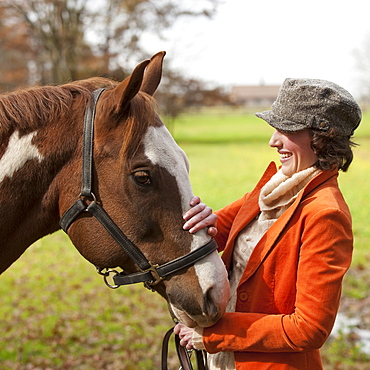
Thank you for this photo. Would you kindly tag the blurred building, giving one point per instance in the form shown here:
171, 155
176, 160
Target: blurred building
254, 95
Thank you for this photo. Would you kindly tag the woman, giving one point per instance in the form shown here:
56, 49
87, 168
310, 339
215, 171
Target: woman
288, 243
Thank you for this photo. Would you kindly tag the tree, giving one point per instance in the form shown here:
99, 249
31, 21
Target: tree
13, 49
178, 92
55, 35
54, 41
72, 39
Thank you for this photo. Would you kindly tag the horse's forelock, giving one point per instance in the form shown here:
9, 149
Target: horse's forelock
142, 114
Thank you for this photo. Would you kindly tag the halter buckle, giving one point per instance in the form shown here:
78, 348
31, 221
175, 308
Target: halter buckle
154, 272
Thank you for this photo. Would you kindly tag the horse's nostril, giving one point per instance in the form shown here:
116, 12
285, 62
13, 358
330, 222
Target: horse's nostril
210, 307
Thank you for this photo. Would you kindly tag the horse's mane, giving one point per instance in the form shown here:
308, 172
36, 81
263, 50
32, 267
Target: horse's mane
27, 109
30, 107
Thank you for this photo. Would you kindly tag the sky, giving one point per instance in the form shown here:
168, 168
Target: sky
251, 42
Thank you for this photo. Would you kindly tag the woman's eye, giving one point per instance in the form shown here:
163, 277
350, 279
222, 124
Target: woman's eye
142, 178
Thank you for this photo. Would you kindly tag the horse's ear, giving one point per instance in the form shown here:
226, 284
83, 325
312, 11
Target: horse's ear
153, 73
128, 88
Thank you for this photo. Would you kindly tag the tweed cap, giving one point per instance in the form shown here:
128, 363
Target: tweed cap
313, 104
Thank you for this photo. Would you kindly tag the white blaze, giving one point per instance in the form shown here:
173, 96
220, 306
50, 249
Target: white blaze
161, 149
19, 151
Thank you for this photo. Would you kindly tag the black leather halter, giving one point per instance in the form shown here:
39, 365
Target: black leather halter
150, 274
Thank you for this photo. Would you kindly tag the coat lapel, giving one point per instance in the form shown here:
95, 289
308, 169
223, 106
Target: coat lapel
250, 210
268, 241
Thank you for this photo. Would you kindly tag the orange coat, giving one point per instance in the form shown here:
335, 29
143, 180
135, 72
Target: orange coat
288, 296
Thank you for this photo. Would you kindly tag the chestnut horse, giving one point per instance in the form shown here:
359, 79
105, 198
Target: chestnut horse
137, 180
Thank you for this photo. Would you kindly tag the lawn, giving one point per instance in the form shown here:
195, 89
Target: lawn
228, 154
56, 312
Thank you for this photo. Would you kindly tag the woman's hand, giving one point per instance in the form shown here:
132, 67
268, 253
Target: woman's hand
185, 334
199, 217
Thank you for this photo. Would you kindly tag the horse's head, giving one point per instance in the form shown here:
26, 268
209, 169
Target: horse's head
141, 180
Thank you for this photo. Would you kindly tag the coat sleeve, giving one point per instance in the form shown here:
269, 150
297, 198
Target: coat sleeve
324, 257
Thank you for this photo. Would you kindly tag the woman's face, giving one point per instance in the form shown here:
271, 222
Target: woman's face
295, 150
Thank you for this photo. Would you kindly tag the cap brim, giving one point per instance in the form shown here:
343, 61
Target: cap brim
280, 123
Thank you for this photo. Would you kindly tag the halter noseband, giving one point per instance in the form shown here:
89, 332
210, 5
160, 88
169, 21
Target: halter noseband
149, 274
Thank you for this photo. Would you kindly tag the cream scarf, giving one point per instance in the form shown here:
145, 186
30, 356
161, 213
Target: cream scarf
275, 198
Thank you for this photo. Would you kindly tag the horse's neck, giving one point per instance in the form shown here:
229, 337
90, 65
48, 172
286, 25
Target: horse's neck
29, 166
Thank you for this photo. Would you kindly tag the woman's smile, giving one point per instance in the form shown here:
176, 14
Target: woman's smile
284, 155
294, 149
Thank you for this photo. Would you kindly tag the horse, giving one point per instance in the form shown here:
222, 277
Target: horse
94, 158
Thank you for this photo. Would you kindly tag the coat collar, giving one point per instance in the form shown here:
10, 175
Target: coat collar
250, 210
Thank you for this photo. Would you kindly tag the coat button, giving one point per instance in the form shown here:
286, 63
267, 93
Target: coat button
243, 296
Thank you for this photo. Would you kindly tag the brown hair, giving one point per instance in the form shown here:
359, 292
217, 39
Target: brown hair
332, 150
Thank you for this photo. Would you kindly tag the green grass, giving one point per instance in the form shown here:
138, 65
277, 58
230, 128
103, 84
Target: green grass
223, 170
56, 312
227, 154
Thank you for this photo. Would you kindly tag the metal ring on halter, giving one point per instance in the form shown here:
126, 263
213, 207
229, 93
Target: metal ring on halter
106, 275
91, 196
106, 280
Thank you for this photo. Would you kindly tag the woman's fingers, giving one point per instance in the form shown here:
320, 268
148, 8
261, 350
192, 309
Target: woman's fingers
199, 217
185, 334
195, 210
201, 220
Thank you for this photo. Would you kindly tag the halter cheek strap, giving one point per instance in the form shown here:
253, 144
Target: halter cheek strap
150, 274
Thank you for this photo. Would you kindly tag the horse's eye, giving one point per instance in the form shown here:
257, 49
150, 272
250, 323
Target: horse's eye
142, 178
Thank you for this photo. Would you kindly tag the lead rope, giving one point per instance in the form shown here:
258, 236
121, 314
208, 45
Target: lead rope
183, 354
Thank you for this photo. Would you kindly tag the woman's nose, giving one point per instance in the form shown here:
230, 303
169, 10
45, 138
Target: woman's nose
275, 139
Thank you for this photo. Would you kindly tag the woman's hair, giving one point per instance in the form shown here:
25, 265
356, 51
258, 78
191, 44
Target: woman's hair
332, 150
